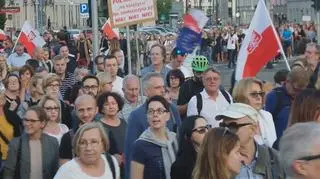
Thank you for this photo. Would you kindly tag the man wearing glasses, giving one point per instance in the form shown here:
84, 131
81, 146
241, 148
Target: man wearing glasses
259, 161
300, 152
279, 100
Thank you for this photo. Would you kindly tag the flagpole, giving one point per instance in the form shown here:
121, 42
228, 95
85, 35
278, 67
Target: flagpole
278, 40
15, 43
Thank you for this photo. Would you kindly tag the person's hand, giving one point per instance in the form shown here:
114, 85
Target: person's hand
119, 158
13, 105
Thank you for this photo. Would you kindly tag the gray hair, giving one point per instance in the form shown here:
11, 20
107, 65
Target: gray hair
78, 71
148, 76
312, 44
128, 78
298, 141
86, 127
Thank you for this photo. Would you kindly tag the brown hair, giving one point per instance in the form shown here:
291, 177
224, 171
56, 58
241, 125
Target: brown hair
163, 50
26, 68
51, 77
46, 98
299, 77
239, 93
306, 107
114, 44
211, 159
41, 114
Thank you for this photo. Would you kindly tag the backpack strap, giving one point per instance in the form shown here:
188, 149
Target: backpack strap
199, 103
111, 164
225, 95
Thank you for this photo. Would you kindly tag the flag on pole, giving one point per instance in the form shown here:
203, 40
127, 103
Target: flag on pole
3, 35
30, 38
260, 45
109, 31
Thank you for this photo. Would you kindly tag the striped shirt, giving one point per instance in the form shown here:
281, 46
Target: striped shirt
66, 85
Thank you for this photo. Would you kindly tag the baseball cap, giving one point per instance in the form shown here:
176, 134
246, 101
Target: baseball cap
238, 110
176, 51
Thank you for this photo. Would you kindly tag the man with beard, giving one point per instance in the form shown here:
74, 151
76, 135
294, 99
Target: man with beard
90, 85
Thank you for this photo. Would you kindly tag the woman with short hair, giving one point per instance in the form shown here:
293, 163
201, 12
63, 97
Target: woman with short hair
174, 79
34, 155
250, 91
155, 150
89, 145
219, 156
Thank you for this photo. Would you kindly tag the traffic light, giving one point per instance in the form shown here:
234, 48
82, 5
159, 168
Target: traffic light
316, 5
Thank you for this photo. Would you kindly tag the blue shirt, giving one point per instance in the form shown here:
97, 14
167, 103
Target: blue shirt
287, 35
137, 124
16, 60
150, 156
150, 68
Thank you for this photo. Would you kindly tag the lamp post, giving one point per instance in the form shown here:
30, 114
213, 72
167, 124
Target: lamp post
238, 17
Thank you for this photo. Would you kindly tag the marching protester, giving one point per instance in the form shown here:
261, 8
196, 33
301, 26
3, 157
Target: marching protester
174, 79
193, 130
34, 154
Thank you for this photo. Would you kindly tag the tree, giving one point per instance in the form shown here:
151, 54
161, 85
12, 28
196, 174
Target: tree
316, 5
163, 8
2, 16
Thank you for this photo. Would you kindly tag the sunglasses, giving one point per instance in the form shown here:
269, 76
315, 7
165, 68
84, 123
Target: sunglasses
257, 94
309, 158
233, 125
202, 129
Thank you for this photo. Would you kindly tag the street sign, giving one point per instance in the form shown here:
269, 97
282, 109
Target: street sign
129, 12
84, 10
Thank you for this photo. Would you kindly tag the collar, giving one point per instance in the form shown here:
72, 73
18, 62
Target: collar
206, 95
162, 69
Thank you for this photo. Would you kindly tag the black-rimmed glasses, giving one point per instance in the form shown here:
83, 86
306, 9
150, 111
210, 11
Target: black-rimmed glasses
202, 129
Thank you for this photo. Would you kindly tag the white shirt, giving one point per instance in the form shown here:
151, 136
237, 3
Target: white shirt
267, 129
232, 40
186, 72
210, 107
63, 129
18, 61
72, 170
117, 86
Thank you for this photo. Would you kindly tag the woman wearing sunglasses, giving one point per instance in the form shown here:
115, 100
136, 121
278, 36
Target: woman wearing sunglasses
219, 156
34, 154
155, 150
250, 91
193, 130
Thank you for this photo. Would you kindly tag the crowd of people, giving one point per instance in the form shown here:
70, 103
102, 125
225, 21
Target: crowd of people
65, 116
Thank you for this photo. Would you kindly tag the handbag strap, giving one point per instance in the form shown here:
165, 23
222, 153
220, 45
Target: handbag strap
4, 138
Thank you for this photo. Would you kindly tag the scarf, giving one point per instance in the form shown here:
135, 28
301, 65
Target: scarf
169, 148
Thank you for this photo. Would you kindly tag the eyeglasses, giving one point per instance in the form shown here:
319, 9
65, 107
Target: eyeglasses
202, 129
309, 158
54, 86
51, 108
30, 120
257, 94
158, 111
233, 125
93, 143
225, 131
90, 87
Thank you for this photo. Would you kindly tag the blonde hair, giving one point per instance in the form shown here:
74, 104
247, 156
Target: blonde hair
46, 98
104, 78
50, 78
239, 93
86, 127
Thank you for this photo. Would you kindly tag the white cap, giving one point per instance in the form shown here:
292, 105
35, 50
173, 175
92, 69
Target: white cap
238, 110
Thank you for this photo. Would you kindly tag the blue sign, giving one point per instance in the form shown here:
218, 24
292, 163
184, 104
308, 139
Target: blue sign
84, 10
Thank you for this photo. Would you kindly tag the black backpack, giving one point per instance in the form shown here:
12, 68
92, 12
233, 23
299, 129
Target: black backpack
199, 99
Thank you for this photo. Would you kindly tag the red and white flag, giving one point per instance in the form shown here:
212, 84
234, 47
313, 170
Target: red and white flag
30, 38
3, 35
109, 31
260, 45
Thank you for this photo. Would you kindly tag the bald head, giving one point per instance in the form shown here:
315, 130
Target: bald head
86, 108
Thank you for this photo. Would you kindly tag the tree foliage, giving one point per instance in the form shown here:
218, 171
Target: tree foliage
163, 8
2, 16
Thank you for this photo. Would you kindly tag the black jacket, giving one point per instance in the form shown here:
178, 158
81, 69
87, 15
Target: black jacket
183, 166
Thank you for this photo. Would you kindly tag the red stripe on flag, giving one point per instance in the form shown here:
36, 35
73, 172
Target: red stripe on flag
267, 49
23, 39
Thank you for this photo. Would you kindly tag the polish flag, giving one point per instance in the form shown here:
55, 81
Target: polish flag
3, 35
260, 45
30, 38
109, 31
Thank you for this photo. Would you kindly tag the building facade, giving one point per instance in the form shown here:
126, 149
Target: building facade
296, 9
58, 13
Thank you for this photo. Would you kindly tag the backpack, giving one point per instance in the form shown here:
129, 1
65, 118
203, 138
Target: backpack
199, 99
108, 157
280, 104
